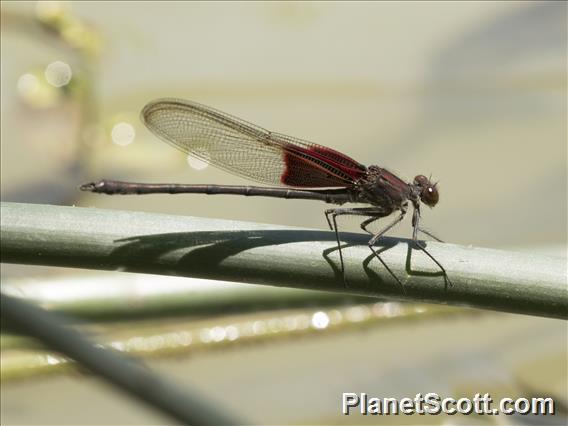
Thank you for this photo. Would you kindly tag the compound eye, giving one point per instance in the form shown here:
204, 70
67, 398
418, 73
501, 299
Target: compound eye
421, 180
429, 195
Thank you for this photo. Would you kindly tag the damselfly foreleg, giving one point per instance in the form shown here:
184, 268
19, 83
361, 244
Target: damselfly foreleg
417, 229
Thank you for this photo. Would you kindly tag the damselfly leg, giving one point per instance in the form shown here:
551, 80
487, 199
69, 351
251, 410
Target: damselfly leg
374, 214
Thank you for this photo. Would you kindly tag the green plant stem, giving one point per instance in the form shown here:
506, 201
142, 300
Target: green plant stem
131, 377
281, 256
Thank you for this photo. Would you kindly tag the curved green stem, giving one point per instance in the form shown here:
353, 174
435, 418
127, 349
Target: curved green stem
281, 256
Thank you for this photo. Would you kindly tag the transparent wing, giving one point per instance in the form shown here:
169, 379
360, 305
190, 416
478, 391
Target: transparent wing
245, 149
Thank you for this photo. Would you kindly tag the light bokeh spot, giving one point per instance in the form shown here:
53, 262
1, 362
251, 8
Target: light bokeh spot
320, 320
28, 85
58, 73
123, 133
196, 163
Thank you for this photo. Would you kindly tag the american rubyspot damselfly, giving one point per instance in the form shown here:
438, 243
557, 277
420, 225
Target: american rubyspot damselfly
301, 169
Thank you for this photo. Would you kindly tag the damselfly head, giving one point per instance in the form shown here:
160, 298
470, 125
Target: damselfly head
428, 191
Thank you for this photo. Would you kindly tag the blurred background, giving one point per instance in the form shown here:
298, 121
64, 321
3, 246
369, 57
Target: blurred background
473, 93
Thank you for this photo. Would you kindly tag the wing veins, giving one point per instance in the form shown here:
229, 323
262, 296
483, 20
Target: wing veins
226, 132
